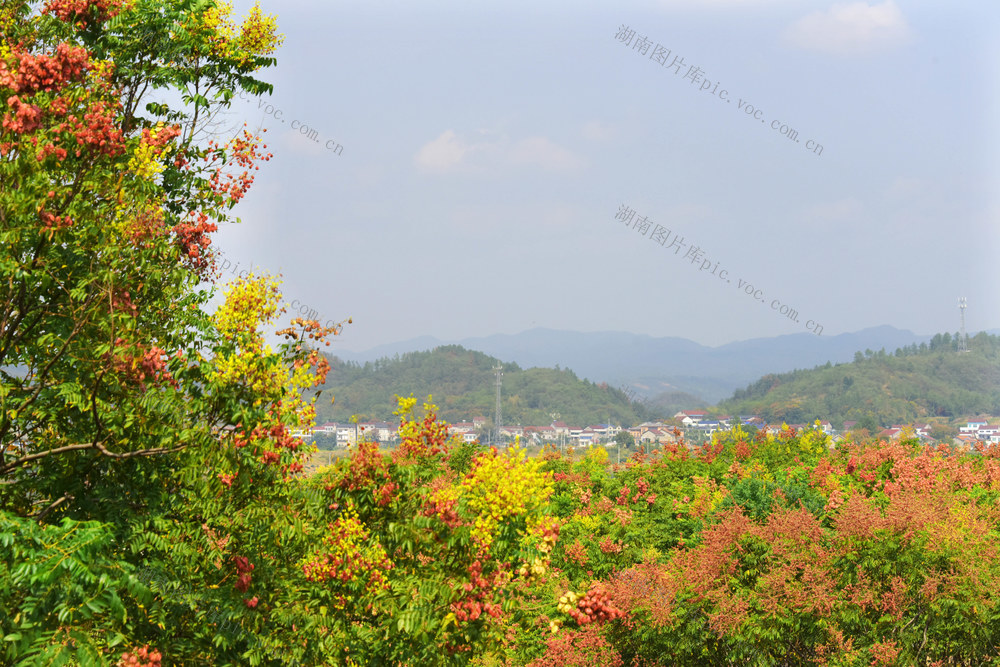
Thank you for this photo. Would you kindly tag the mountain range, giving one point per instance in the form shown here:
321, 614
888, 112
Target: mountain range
651, 366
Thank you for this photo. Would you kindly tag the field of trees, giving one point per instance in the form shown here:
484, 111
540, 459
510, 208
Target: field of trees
753, 549
909, 385
153, 509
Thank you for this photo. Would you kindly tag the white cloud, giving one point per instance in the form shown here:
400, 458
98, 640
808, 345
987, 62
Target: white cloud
449, 151
851, 29
541, 152
443, 153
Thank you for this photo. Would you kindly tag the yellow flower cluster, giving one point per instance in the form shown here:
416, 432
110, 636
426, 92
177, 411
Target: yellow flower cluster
588, 522
8, 20
708, 495
218, 22
504, 486
814, 441
534, 570
421, 436
405, 408
597, 454
259, 32
445, 495
759, 470
139, 221
261, 374
350, 555
256, 36
249, 304
144, 162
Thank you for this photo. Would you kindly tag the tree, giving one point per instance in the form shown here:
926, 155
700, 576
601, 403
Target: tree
459, 524
625, 439
868, 423
943, 432
136, 429
325, 440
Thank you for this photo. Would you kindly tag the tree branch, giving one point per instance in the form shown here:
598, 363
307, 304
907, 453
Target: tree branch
41, 515
89, 445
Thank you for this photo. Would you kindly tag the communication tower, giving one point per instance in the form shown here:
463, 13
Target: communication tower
499, 371
963, 339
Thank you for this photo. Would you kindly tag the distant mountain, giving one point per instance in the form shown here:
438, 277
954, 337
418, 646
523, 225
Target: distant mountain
462, 384
902, 386
655, 366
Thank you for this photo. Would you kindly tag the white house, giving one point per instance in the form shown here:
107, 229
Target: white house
973, 425
691, 417
386, 431
347, 434
541, 433
326, 427
512, 431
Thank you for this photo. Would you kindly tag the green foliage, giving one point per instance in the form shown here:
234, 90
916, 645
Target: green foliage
757, 498
914, 384
625, 439
463, 385
138, 434
66, 584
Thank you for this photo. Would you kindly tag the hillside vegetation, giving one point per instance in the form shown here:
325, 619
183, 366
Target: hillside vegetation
913, 383
463, 384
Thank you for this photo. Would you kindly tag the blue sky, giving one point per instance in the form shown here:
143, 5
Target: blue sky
487, 147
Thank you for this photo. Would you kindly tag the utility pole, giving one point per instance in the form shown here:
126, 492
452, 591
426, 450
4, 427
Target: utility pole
499, 371
555, 417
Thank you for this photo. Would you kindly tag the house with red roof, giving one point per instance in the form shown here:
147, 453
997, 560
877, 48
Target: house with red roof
461, 428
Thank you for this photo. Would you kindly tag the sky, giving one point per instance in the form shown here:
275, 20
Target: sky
690, 168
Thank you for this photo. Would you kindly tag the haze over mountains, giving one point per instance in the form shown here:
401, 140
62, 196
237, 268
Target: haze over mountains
651, 365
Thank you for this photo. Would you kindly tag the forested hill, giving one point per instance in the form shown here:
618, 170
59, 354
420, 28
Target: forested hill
463, 385
913, 383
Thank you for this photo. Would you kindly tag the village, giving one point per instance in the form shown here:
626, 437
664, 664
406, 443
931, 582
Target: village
694, 426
